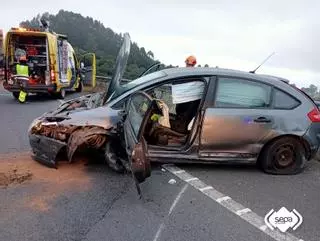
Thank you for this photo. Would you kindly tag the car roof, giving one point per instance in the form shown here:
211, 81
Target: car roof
197, 71
317, 102
183, 72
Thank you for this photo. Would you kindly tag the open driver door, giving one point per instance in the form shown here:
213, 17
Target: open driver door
138, 111
88, 70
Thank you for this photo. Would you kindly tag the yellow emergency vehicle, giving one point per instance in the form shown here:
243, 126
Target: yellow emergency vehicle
52, 65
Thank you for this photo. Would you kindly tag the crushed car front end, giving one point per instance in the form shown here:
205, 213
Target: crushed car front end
71, 127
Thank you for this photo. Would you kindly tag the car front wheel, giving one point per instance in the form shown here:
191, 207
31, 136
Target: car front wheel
61, 95
15, 95
284, 156
112, 158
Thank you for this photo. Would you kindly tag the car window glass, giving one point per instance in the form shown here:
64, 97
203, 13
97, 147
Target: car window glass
138, 107
281, 100
239, 93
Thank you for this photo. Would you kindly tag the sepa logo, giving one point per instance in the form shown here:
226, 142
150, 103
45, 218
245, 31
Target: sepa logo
283, 219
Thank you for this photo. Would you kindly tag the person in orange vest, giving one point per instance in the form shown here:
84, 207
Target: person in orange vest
191, 61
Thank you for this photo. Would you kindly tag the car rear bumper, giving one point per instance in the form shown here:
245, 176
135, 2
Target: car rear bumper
30, 88
312, 136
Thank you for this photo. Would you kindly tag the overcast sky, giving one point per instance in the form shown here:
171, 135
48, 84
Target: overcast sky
229, 34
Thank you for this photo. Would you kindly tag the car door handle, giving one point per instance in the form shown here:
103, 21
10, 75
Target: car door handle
262, 120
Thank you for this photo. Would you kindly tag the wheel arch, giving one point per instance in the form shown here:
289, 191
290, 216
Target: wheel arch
303, 141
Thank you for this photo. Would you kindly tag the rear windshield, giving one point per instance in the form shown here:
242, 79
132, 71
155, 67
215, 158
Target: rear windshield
305, 94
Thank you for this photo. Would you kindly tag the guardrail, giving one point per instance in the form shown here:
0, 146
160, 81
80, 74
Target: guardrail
102, 83
108, 78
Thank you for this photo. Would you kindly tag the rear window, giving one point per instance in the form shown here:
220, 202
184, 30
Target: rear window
317, 104
282, 100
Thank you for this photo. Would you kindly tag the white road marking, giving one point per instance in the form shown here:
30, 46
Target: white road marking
225, 198
174, 204
180, 171
205, 188
243, 211
227, 202
192, 179
263, 227
161, 227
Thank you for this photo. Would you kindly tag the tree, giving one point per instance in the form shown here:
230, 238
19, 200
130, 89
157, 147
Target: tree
206, 65
87, 35
312, 90
150, 54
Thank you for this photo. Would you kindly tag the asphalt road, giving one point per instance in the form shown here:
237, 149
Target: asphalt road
83, 201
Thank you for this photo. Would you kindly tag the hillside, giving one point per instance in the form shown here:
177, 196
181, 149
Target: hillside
89, 35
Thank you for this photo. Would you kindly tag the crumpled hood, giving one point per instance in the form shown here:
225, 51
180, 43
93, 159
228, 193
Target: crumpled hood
83, 111
84, 102
102, 116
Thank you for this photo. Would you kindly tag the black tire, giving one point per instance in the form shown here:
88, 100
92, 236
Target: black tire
112, 159
284, 156
61, 95
80, 87
15, 95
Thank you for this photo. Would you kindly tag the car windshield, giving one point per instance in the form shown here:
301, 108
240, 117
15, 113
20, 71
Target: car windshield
139, 81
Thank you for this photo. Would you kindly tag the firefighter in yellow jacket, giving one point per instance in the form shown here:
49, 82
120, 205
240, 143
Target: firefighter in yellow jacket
22, 69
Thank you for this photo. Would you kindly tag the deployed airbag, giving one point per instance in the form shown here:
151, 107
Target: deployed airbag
187, 92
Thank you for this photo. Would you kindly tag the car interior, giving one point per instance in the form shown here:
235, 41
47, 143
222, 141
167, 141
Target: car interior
179, 102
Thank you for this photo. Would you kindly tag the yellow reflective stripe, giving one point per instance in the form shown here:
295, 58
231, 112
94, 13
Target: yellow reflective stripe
22, 96
22, 70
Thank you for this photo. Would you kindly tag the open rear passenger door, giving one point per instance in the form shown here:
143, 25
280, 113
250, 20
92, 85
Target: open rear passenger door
139, 109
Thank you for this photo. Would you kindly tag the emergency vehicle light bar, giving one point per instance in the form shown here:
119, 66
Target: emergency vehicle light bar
26, 29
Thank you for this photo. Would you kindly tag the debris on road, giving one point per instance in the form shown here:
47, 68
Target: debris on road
172, 181
14, 176
19, 168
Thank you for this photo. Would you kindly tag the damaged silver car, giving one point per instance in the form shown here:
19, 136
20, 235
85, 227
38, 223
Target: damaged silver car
184, 115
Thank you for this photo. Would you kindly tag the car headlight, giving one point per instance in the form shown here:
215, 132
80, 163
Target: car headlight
33, 123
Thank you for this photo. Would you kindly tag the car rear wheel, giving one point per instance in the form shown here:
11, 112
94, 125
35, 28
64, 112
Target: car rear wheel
15, 95
61, 94
283, 156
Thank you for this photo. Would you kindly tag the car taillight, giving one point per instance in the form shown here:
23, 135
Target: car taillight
314, 115
52, 76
